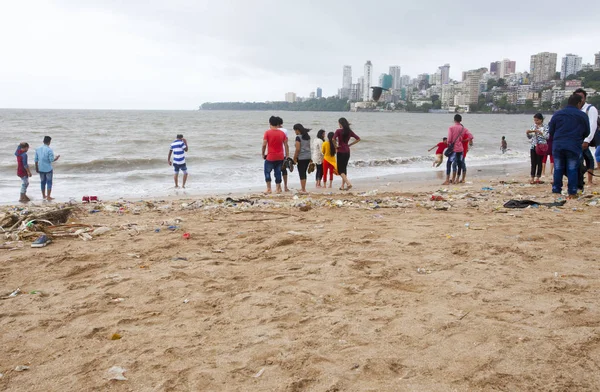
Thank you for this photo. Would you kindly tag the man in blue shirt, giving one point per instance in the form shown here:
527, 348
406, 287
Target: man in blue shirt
178, 149
44, 156
568, 128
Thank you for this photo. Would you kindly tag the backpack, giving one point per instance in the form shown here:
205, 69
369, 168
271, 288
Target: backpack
596, 140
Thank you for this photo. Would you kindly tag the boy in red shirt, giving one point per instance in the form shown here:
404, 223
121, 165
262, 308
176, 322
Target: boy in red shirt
274, 144
23, 169
439, 153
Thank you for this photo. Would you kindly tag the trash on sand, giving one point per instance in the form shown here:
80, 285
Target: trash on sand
186, 236
117, 300
116, 373
21, 368
185, 301
423, 271
260, 372
133, 255
487, 188
115, 336
15, 293
101, 230
179, 258
292, 232
173, 227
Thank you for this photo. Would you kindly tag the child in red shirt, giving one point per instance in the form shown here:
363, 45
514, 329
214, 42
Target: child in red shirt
439, 153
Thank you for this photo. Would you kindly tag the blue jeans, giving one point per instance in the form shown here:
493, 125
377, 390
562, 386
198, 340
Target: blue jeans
566, 161
46, 180
273, 166
24, 184
597, 154
457, 164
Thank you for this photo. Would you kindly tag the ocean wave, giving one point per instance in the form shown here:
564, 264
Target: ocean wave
391, 161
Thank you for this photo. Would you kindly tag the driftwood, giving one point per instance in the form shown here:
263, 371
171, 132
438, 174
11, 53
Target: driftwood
56, 217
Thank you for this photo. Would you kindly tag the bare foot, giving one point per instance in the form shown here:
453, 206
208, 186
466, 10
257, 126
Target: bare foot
572, 197
447, 182
287, 189
268, 191
349, 187
49, 198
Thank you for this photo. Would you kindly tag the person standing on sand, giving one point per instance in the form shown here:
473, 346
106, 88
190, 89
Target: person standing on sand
439, 153
285, 161
341, 138
23, 170
538, 135
592, 114
302, 153
44, 157
274, 149
317, 155
329, 160
178, 149
456, 134
568, 128
466, 144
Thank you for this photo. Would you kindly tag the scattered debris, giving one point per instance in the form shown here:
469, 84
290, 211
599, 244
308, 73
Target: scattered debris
116, 373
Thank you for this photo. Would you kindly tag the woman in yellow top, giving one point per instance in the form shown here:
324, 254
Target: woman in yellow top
329, 161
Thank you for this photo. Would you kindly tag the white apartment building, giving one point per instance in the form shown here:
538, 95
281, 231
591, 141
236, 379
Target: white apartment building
571, 64
367, 81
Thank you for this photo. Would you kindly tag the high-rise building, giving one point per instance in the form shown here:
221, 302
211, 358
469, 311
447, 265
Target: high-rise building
448, 92
355, 91
404, 81
494, 68
445, 73
571, 64
386, 81
367, 81
312, 95
543, 67
347, 77
319, 92
473, 85
597, 60
396, 77
290, 97
503, 68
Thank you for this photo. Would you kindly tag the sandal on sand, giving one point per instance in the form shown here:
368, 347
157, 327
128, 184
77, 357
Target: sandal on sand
539, 182
342, 189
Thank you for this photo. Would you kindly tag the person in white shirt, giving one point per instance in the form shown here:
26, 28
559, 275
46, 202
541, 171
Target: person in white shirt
317, 155
592, 113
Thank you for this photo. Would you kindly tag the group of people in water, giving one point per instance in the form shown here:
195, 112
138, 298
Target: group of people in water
328, 156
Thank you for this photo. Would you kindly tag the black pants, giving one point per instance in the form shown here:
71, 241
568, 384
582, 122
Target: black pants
342, 162
536, 163
302, 167
319, 174
588, 163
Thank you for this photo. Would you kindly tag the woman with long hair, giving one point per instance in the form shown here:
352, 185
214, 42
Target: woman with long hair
317, 155
342, 138
329, 161
302, 154
538, 134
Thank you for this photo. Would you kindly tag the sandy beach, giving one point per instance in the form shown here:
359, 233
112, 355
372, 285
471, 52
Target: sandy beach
377, 289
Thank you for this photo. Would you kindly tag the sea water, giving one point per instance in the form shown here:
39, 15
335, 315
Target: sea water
113, 154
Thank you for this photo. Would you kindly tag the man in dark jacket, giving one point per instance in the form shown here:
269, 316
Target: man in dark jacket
568, 128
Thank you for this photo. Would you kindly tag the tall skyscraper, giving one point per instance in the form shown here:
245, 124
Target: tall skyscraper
319, 92
445, 71
503, 68
346, 83
347, 77
571, 64
597, 60
396, 77
472, 85
385, 81
543, 67
404, 81
367, 81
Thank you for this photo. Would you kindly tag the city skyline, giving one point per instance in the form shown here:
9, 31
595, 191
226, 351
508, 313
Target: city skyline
108, 54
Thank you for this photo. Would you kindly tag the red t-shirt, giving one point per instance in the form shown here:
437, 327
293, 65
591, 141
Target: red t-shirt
465, 143
441, 147
275, 139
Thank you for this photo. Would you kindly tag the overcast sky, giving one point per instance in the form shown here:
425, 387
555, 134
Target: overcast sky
133, 54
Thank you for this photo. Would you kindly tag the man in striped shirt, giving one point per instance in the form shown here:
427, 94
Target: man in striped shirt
178, 149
